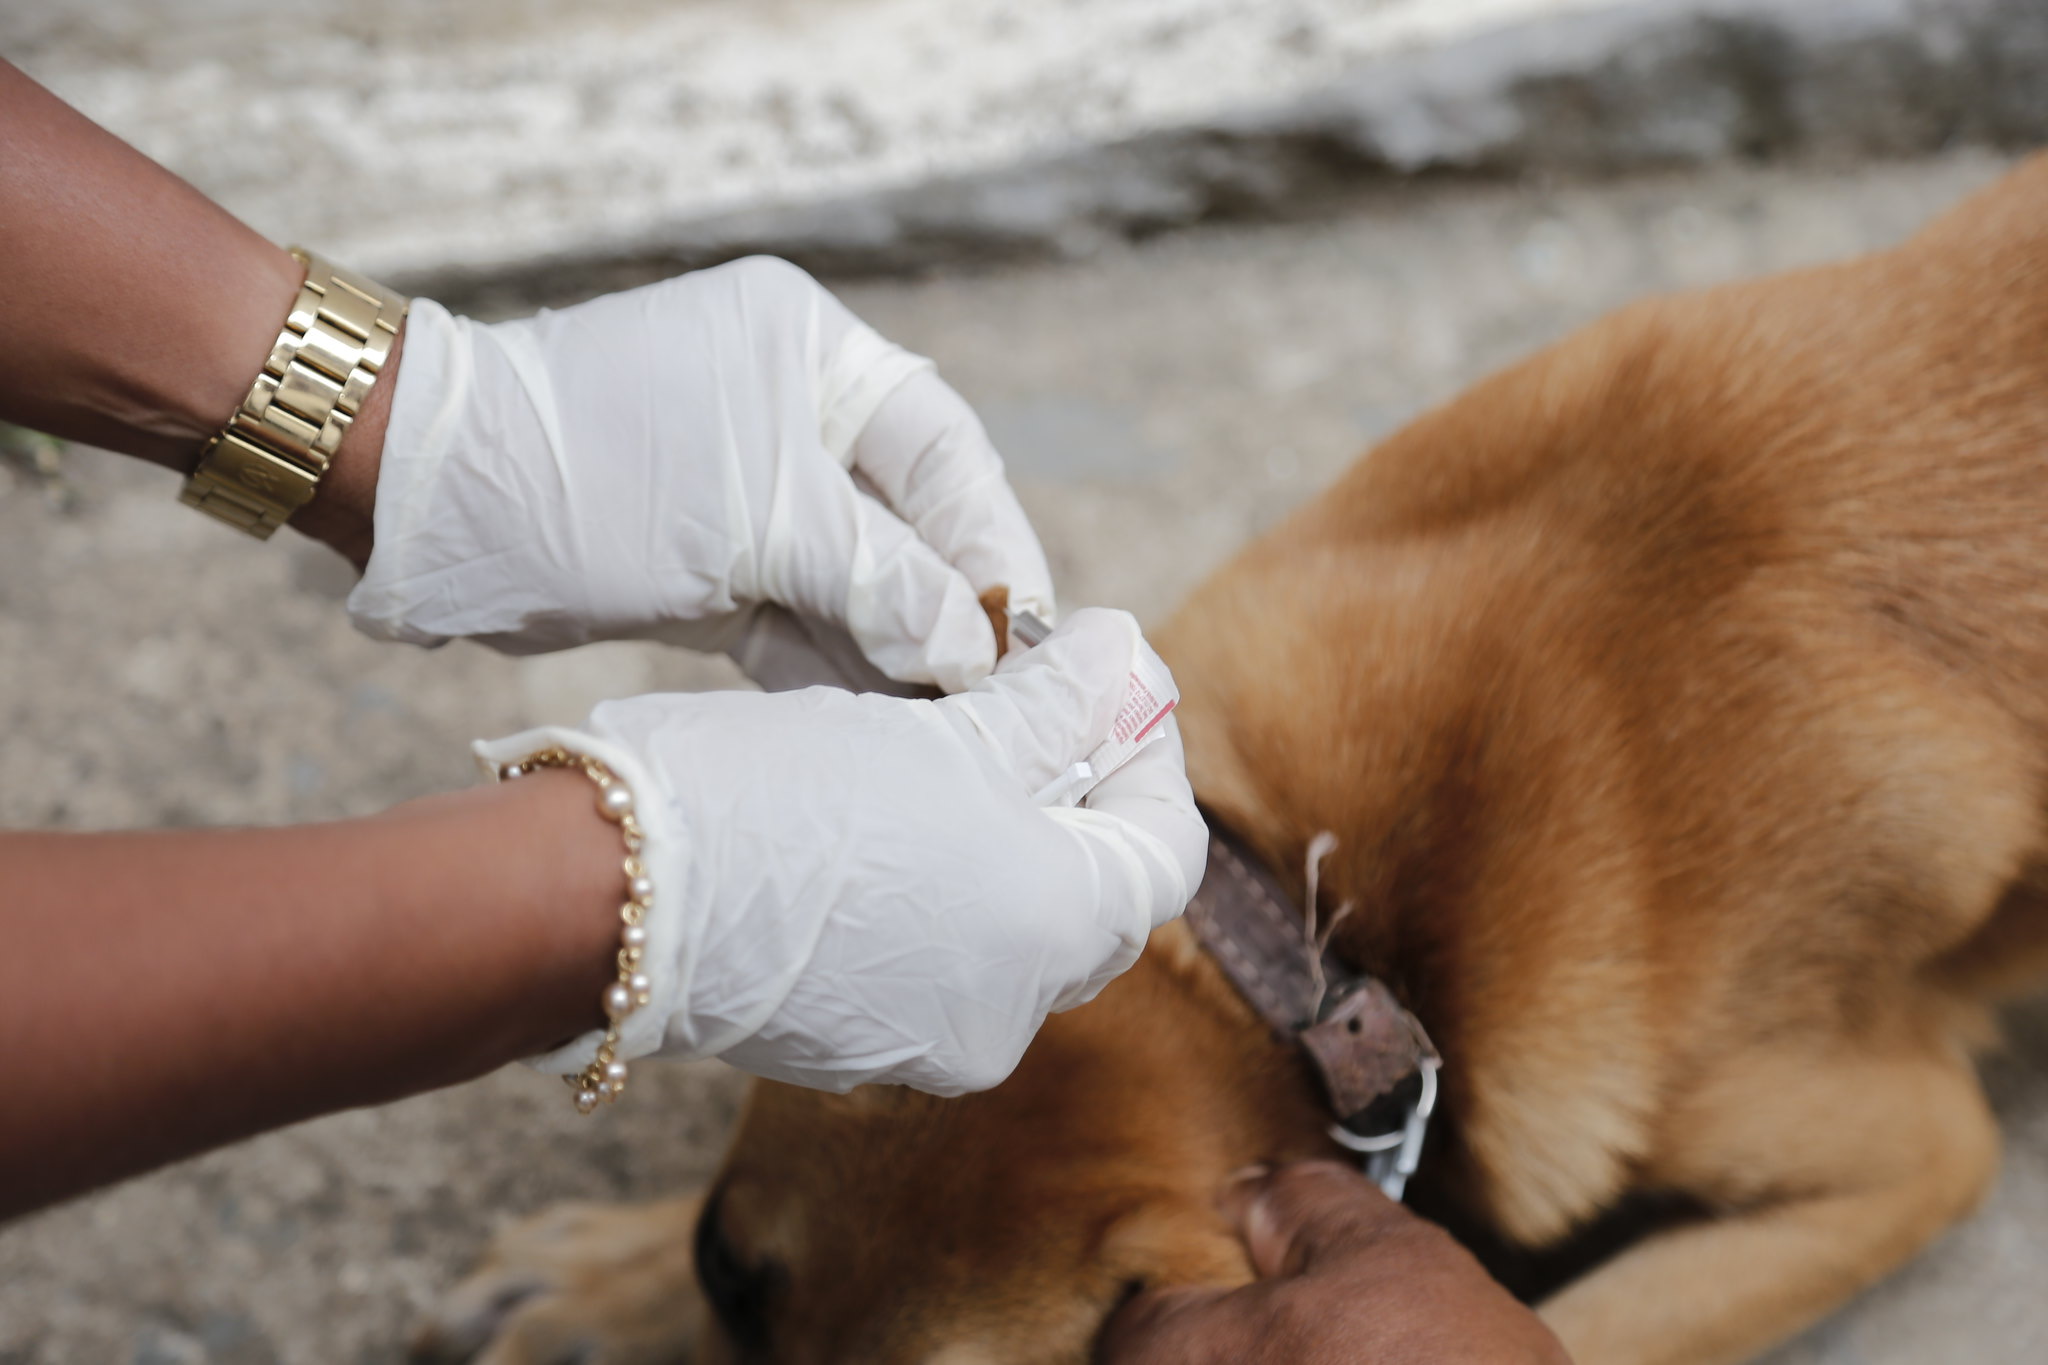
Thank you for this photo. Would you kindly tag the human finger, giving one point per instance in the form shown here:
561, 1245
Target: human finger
1309, 1211
1049, 707
914, 616
929, 456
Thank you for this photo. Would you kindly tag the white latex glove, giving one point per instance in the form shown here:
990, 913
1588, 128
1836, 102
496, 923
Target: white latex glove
661, 462
854, 888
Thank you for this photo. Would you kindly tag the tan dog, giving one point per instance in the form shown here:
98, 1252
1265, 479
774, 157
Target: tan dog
1678, 700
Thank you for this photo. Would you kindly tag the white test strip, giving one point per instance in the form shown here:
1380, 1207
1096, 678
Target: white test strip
1148, 698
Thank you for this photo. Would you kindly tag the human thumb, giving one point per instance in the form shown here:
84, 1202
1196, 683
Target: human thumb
1309, 1212
1047, 708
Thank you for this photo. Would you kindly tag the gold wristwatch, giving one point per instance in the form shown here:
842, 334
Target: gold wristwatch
268, 459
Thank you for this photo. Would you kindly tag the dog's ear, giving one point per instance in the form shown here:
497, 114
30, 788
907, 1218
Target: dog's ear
1175, 1241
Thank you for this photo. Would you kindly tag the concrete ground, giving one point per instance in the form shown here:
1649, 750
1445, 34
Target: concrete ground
1159, 404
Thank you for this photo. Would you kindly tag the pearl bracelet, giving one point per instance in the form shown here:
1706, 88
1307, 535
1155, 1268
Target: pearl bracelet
604, 1079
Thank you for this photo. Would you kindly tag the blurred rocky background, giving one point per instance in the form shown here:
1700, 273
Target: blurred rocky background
506, 138
1188, 257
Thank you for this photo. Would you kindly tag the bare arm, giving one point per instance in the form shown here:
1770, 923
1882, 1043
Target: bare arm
137, 312
163, 993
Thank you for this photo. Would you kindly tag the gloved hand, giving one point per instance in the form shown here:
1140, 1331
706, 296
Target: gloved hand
661, 462
853, 888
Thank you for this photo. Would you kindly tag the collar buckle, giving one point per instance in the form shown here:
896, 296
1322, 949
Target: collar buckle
1376, 1061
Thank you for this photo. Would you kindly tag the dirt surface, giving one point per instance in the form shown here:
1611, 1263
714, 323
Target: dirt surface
1159, 404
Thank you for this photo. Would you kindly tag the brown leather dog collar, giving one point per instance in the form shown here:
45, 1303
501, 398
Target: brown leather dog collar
1376, 1063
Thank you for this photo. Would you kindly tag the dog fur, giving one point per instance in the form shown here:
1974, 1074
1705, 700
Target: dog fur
1676, 698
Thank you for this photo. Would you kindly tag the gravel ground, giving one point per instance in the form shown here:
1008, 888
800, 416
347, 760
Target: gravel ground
1158, 403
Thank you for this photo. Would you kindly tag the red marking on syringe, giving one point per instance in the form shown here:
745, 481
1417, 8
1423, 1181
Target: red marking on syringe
1164, 711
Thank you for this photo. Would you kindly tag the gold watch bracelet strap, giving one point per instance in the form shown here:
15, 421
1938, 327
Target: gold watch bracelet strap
267, 462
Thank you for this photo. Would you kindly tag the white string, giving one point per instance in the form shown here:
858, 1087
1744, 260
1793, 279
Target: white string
1319, 848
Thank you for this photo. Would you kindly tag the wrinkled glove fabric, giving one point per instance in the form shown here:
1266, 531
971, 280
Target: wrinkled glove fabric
661, 463
854, 888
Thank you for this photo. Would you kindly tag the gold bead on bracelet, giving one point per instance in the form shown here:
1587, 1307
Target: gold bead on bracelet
604, 1080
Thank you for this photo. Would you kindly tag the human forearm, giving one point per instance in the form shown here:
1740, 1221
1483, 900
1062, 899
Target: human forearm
138, 312
162, 993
